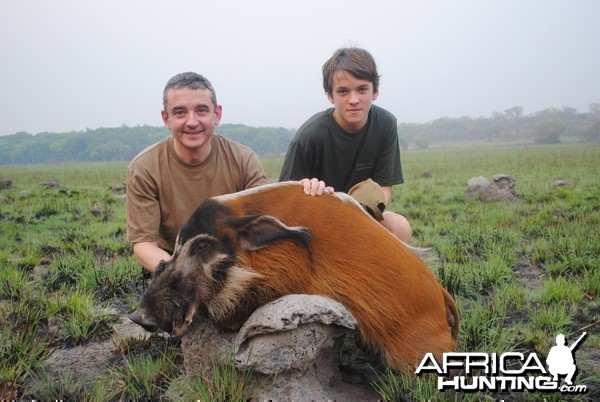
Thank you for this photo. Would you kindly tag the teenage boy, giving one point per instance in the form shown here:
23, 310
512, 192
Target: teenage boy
353, 141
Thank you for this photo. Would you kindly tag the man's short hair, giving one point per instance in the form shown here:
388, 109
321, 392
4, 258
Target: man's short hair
189, 80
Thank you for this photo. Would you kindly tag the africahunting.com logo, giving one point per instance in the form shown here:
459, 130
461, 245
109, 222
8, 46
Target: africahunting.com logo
511, 371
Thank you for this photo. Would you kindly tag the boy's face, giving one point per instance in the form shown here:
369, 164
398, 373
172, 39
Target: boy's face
352, 98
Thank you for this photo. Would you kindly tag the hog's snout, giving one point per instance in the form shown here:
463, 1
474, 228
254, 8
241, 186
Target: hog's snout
140, 319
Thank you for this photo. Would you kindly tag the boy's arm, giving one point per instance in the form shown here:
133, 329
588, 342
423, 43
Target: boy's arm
387, 193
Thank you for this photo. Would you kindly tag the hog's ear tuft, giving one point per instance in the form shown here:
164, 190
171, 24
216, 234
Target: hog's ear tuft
256, 232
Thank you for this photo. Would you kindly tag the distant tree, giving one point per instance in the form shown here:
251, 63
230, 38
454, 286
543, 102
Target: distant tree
110, 151
403, 143
406, 133
591, 131
422, 143
513, 117
514, 113
549, 132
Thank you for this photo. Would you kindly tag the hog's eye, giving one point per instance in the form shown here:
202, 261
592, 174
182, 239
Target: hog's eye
201, 248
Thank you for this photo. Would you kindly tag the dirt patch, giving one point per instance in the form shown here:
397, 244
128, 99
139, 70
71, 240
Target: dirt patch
84, 364
588, 361
529, 274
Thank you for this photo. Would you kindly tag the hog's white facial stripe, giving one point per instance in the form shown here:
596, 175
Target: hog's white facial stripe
184, 249
206, 266
226, 301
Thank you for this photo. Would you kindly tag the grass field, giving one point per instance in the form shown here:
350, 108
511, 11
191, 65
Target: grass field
521, 272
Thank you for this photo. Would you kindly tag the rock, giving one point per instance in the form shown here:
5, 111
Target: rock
203, 343
296, 337
494, 194
5, 184
505, 182
119, 188
501, 188
558, 183
51, 184
96, 209
272, 337
475, 183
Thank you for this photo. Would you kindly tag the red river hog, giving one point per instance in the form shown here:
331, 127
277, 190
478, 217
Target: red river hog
240, 251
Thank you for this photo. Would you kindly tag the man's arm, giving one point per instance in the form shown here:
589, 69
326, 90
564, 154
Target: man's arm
148, 254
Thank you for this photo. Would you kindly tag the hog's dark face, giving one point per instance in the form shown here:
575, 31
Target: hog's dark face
206, 274
163, 305
181, 287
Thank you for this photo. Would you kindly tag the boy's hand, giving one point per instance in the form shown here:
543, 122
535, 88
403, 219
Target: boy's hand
315, 187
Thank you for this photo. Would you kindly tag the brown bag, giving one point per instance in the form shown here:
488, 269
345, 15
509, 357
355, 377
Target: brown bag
370, 195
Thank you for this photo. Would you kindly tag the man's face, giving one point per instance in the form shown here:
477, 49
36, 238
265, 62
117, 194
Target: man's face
191, 117
352, 98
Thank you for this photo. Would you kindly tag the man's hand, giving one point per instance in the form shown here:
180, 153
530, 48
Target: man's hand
315, 187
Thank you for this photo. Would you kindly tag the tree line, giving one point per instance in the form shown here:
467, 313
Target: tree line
549, 126
123, 143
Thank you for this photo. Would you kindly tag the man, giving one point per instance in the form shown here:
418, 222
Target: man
169, 179
353, 141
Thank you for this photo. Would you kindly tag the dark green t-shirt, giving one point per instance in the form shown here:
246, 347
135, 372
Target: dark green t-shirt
322, 149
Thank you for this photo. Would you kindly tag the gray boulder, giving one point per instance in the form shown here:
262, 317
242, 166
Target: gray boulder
505, 182
475, 183
559, 183
5, 184
295, 339
501, 188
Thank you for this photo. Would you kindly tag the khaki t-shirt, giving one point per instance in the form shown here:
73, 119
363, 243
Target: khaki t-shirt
163, 191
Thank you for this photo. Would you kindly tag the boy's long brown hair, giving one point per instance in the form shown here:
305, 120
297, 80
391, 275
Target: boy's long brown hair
358, 62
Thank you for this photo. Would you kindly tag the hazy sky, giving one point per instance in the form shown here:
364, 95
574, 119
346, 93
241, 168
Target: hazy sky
76, 64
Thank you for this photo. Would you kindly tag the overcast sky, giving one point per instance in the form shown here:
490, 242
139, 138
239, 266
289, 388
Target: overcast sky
76, 64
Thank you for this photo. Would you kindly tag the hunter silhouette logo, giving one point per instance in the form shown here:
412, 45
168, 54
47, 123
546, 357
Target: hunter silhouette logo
509, 371
560, 359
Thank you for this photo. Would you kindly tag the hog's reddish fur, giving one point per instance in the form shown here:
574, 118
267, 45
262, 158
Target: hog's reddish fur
399, 305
